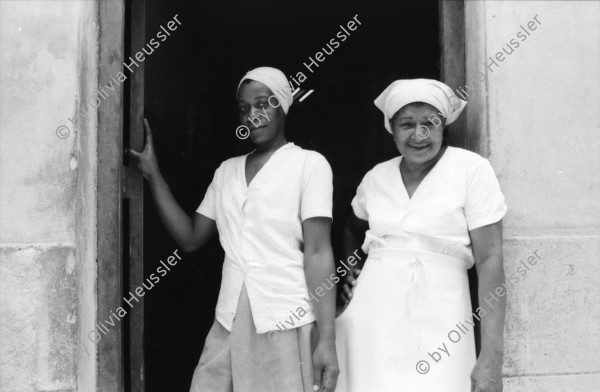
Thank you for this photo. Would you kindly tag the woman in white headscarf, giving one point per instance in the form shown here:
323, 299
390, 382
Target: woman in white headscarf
425, 217
272, 210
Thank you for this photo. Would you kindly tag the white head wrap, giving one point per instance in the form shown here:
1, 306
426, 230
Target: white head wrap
275, 80
402, 92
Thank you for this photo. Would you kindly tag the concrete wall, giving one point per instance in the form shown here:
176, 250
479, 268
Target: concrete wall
536, 117
47, 196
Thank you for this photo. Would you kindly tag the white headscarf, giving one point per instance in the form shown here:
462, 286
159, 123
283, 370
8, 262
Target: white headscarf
404, 91
275, 80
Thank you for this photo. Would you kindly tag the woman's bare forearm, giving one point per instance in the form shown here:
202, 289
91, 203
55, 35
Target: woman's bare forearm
178, 223
492, 299
318, 269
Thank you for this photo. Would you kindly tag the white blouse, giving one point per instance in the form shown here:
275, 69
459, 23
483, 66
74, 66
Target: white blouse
459, 194
260, 229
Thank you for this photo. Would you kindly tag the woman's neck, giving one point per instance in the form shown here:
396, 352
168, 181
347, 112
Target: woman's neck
270, 146
421, 169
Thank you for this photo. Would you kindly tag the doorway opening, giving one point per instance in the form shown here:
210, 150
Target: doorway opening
190, 86
188, 94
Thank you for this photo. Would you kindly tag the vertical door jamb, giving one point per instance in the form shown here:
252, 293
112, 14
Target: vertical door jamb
109, 181
134, 194
452, 60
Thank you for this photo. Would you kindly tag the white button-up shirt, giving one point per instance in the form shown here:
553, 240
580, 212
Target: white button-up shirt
459, 194
260, 229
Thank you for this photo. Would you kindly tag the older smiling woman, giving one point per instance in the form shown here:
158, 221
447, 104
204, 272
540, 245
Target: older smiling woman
426, 217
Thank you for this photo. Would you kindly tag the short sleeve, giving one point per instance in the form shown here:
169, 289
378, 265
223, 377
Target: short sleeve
359, 203
484, 199
208, 206
317, 190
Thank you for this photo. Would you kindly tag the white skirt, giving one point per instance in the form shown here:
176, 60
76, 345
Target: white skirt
408, 326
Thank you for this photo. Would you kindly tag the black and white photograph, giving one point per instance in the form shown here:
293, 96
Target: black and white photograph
299, 196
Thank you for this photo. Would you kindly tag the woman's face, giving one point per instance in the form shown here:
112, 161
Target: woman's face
418, 132
263, 116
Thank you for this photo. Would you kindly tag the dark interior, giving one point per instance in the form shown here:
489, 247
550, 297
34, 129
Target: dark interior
190, 84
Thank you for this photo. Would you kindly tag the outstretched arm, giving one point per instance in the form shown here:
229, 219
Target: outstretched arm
189, 234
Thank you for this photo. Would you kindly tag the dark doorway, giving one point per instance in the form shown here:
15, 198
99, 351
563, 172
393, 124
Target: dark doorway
190, 84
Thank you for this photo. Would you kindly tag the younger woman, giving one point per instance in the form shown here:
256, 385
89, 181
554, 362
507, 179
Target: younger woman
272, 210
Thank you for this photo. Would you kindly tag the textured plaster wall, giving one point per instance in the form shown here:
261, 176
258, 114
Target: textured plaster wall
47, 196
536, 118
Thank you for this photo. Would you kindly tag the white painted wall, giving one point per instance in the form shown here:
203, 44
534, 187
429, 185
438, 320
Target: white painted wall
538, 112
47, 196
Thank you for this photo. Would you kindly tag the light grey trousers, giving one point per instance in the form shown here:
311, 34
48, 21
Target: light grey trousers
244, 361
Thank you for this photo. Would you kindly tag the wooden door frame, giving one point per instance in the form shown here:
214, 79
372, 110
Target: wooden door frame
452, 59
120, 185
109, 179
120, 360
135, 17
